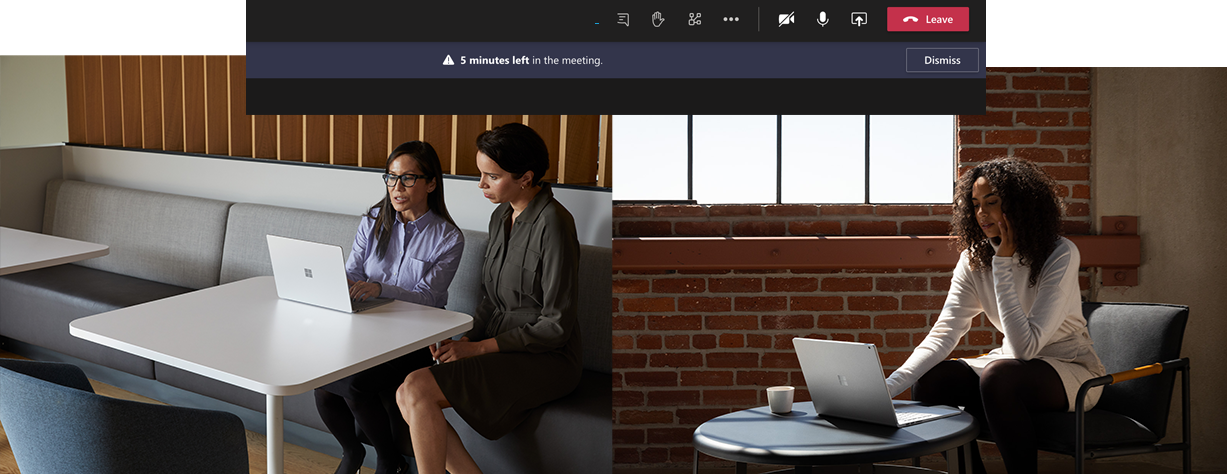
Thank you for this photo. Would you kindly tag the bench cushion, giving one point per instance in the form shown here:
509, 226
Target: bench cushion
167, 238
571, 434
465, 291
246, 251
296, 408
595, 312
38, 305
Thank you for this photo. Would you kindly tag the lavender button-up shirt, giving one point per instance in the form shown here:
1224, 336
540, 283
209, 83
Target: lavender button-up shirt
421, 260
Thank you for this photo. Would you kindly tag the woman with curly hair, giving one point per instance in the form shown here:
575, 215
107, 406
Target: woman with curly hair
1017, 270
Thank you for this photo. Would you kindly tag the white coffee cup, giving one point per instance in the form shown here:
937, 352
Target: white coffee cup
780, 399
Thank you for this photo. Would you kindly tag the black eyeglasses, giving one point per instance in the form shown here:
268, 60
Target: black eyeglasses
408, 180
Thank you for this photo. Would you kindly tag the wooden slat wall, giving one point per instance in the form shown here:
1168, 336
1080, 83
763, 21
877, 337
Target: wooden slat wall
240, 123
497, 120
404, 129
151, 101
289, 137
317, 139
197, 104
374, 136
130, 88
74, 74
605, 179
94, 130
468, 127
217, 105
193, 104
548, 126
581, 138
437, 130
345, 140
172, 103
264, 136
112, 101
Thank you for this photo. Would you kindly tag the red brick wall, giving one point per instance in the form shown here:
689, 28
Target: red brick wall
692, 345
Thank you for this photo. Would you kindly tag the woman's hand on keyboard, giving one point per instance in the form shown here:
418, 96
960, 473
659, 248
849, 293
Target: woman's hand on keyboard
362, 290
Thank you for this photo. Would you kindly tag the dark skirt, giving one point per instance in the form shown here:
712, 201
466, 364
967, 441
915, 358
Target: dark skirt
494, 393
385, 377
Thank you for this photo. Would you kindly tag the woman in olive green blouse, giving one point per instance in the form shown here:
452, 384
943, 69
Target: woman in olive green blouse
524, 348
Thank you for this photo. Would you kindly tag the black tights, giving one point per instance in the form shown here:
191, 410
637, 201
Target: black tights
1003, 398
357, 398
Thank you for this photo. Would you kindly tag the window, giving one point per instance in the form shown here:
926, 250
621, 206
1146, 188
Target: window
653, 149
871, 159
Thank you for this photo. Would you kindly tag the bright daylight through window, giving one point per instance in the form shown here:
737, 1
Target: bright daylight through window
758, 159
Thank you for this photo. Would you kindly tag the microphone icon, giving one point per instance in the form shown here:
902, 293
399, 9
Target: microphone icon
822, 18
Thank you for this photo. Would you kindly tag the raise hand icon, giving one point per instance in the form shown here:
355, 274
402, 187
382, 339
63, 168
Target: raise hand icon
657, 19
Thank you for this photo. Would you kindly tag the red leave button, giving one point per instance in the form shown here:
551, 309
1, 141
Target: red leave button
927, 18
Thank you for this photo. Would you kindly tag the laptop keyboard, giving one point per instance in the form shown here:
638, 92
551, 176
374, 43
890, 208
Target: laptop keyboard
360, 306
908, 418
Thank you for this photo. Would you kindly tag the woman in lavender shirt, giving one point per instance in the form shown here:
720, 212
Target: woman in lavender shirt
407, 248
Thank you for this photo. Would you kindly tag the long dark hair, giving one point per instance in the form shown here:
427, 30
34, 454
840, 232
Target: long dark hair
428, 162
1030, 200
517, 149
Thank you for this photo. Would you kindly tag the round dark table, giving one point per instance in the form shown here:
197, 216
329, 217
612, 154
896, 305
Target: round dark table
804, 439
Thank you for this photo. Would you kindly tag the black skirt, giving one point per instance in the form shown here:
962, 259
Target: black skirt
382, 378
494, 393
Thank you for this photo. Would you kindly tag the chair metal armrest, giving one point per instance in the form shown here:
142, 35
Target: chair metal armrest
1147, 370
1134, 373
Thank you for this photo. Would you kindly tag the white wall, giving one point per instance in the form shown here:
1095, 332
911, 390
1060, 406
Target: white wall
33, 104
24, 173
329, 189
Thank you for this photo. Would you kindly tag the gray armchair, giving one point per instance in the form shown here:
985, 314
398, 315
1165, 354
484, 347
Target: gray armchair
1139, 344
56, 423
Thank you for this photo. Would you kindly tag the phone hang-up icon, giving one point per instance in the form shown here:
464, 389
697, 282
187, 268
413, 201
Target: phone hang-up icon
911, 18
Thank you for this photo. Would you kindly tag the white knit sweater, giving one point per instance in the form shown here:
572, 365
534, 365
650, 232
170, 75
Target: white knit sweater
1039, 322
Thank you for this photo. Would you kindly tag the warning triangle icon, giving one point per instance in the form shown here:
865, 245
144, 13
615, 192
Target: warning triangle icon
448, 61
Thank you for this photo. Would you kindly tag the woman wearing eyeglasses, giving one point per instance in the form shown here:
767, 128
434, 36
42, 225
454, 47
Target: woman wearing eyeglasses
407, 248
524, 348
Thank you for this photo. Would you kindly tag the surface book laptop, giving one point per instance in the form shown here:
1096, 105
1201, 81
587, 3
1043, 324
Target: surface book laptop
845, 380
314, 273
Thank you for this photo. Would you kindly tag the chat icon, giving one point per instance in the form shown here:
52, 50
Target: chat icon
624, 19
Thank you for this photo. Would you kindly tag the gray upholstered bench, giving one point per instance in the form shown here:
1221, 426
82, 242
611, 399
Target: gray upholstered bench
164, 245
161, 245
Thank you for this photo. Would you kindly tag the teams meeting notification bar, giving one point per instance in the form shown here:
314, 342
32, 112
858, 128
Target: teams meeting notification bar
616, 60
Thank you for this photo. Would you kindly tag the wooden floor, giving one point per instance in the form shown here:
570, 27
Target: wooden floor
298, 460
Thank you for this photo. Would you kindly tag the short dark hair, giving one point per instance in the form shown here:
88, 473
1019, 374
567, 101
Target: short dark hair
1030, 198
517, 149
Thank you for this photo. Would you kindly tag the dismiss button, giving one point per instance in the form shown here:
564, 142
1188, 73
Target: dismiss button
943, 60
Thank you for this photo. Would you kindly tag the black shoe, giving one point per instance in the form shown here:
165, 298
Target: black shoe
351, 463
403, 468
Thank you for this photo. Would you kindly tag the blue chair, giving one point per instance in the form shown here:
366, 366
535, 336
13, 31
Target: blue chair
56, 424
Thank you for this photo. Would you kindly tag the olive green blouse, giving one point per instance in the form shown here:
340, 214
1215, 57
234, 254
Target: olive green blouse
530, 280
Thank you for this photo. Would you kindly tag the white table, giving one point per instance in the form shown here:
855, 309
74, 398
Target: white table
241, 333
21, 251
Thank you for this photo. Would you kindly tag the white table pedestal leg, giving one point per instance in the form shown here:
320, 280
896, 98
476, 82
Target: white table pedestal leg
275, 442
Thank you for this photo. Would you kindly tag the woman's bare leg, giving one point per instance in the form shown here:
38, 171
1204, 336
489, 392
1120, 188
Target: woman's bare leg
435, 442
458, 459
